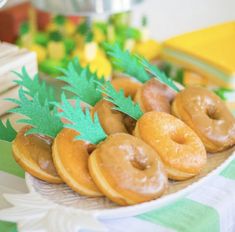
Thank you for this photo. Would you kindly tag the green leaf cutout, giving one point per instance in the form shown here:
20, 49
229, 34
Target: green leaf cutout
158, 74
127, 62
39, 116
7, 132
81, 82
32, 86
89, 129
122, 103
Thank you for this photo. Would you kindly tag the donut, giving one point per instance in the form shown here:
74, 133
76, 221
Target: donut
178, 146
127, 170
129, 85
208, 116
112, 121
155, 96
71, 161
33, 153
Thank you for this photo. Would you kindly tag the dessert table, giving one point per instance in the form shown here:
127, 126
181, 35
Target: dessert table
209, 207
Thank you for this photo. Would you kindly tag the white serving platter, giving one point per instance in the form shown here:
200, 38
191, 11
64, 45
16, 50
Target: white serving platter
56, 208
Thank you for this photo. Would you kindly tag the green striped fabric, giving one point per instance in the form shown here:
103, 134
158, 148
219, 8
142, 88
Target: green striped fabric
229, 171
185, 215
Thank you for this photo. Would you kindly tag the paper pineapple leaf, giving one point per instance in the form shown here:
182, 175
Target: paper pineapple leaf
157, 73
126, 62
39, 116
7, 132
89, 129
32, 86
81, 82
122, 103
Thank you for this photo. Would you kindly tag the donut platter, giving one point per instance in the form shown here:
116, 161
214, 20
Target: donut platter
103, 208
121, 147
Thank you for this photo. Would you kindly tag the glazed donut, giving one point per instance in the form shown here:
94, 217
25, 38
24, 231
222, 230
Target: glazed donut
33, 153
208, 116
155, 96
112, 121
129, 85
71, 161
127, 170
180, 149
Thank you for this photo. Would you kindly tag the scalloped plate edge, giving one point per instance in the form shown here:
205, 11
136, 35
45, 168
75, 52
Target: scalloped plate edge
127, 211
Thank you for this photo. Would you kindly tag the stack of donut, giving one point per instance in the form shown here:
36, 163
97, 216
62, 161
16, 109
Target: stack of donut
132, 165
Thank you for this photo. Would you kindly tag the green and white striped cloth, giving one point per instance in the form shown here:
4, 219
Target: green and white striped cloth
209, 208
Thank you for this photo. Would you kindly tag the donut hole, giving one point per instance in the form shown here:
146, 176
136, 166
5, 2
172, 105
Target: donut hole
212, 113
178, 139
137, 164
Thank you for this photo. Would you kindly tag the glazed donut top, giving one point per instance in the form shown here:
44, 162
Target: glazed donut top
155, 96
131, 164
207, 114
176, 143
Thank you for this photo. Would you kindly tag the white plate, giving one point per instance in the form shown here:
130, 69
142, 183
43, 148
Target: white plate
61, 194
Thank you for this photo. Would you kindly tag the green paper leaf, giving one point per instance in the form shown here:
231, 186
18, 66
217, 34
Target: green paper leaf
32, 86
39, 116
122, 103
127, 62
7, 132
89, 129
81, 82
159, 75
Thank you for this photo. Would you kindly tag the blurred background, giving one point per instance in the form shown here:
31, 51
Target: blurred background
191, 41
189, 15
169, 18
